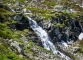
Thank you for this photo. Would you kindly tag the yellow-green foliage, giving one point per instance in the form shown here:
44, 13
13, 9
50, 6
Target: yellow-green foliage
46, 16
4, 15
5, 32
30, 45
50, 3
80, 50
13, 1
38, 10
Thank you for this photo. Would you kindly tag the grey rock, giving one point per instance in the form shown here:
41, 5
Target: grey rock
18, 17
58, 8
16, 46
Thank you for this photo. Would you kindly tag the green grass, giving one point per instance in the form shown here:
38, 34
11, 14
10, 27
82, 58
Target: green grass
46, 15
30, 45
50, 3
38, 10
80, 50
13, 1
6, 53
5, 32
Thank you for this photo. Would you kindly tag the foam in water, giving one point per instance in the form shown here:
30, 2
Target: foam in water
80, 36
45, 39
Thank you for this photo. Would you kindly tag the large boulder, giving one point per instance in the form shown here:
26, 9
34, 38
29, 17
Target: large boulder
15, 46
1, 5
21, 26
58, 8
12, 26
18, 17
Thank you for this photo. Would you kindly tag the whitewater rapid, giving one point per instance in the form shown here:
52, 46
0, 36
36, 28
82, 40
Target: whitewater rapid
80, 36
45, 39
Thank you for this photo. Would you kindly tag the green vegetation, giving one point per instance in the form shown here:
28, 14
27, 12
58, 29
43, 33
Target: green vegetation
38, 10
44, 11
46, 16
50, 3
44, 49
80, 50
13, 1
30, 45
5, 31
6, 53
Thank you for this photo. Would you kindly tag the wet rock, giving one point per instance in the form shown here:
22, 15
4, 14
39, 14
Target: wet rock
40, 22
1, 5
12, 26
52, 33
12, 10
18, 10
48, 25
21, 26
64, 37
18, 17
78, 25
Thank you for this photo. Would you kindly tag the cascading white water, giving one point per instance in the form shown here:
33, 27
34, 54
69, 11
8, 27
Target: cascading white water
45, 39
80, 36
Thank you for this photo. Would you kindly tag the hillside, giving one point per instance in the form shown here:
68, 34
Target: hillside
35, 29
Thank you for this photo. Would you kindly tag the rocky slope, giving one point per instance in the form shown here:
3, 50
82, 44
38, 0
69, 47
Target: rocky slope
63, 22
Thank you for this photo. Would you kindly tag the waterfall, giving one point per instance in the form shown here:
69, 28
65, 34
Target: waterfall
45, 39
80, 36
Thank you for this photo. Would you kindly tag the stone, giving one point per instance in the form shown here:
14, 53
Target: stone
18, 17
25, 11
58, 8
18, 4
21, 55
21, 26
1, 5
12, 26
15, 46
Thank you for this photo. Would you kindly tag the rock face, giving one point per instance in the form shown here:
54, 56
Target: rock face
1, 6
12, 26
21, 26
15, 46
43, 55
71, 29
38, 52
18, 17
